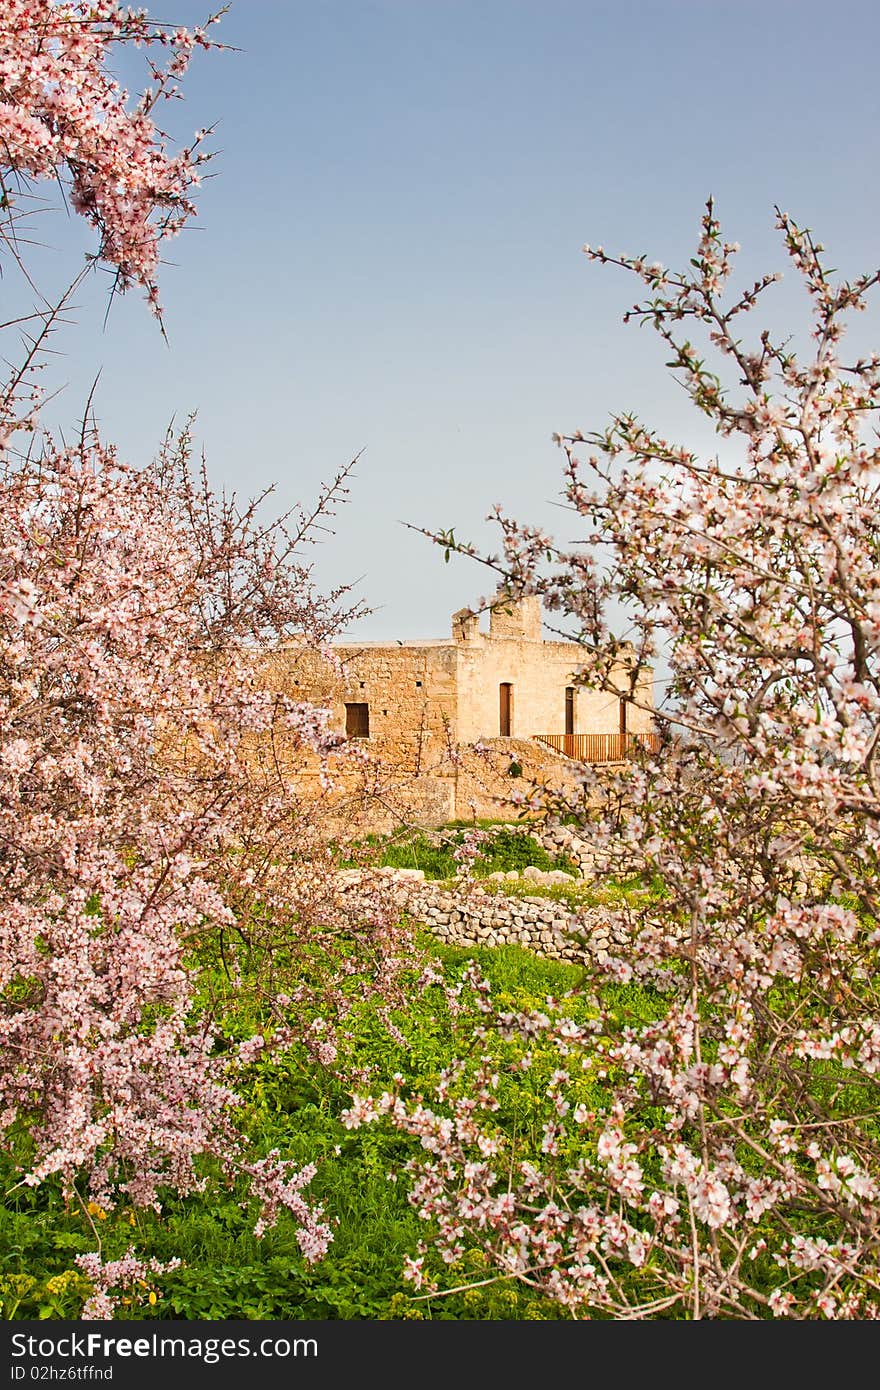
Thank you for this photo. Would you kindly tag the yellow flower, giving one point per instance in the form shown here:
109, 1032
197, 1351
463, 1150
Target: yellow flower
94, 1210
152, 1298
59, 1282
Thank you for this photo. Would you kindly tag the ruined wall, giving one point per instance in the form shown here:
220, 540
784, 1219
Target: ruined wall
408, 688
474, 915
400, 773
485, 790
547, 928
427, 703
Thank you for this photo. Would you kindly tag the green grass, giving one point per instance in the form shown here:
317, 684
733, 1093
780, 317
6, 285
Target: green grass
507, 849
295, 1106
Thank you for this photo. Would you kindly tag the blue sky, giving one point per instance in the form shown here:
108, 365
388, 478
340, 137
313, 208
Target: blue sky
388, 257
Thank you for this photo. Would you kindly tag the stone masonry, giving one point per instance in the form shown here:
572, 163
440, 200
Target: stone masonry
452, 719
474, 915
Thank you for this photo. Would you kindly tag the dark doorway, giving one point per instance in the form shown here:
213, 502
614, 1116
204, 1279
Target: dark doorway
622, 716
569, 709
505, 709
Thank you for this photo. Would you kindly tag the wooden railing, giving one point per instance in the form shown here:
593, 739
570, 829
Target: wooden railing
600, 748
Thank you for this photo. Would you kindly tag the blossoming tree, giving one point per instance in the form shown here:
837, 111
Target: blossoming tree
147, 814
710, 1144
64, 117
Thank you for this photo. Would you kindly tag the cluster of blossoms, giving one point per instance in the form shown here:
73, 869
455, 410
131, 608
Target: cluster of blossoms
149, 818
63, 116
723, 1160
114, 1279
653, 1205
149, 743
468, 851
152, 834
136, 807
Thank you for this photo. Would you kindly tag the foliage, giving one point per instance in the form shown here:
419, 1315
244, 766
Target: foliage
502, 849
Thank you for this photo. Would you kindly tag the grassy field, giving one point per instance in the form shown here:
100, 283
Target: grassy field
296, 1107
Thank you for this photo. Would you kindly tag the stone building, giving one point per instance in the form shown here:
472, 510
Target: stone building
451, 718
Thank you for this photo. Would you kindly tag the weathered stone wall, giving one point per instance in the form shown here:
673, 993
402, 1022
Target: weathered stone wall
538, 674
363, 801
485, 790
545, 927
429, 701
409, 688
516, 618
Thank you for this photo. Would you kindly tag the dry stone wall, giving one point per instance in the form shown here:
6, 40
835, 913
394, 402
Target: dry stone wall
472, 915
477, 917
485, 789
